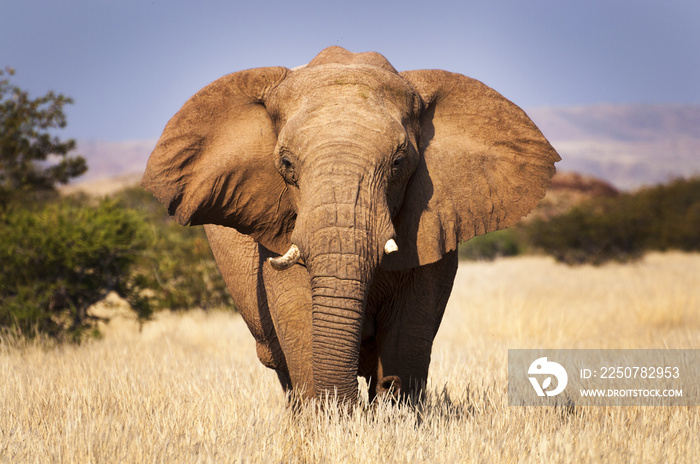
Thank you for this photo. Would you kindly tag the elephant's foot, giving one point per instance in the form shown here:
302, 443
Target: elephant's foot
389, 386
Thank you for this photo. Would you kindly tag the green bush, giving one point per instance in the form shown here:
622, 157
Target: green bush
623, 228
178, 265
59, 259
585, 235
506, 242
674, 215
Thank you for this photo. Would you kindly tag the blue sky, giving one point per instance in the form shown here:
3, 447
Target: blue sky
130, 65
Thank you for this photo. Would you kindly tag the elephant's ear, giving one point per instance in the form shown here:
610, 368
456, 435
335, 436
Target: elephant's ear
484, 165
214, 165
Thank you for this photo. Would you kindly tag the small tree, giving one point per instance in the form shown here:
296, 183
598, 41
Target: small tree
64, 257
32, 159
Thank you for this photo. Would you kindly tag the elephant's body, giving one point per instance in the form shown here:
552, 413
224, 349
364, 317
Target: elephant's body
365, 180
402, 314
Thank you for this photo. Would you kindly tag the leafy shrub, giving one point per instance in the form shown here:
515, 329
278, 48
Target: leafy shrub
178, 265
506, 242
584, 235
623, 228
59, 259
674, 215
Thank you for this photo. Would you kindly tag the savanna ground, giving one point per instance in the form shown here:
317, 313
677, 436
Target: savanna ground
188, 387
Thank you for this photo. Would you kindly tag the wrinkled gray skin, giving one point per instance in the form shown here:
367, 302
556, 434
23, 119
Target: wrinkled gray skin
337, 157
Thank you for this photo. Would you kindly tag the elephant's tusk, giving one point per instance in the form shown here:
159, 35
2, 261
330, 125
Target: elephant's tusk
290, 258
390, 246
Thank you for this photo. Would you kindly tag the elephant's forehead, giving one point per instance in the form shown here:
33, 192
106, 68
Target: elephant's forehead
329, 84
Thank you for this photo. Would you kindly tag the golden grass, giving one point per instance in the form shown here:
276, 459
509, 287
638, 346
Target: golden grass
188, 388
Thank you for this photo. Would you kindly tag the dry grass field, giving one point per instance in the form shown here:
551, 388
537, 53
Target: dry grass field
188, 387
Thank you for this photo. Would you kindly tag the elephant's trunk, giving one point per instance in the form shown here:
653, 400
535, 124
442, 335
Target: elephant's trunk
337, 326
342, 239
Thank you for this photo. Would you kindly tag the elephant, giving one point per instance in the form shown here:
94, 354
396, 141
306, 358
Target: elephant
334, 196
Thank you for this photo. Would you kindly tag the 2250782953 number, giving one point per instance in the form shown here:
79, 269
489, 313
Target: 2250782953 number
636, 372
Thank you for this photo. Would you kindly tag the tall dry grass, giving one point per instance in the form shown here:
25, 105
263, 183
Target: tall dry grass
188, 387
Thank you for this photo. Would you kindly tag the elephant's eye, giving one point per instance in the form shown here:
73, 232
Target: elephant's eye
397, 163
285, 163
286, 168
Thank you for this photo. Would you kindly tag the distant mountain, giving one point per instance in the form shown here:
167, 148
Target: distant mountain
627, 145
106, 160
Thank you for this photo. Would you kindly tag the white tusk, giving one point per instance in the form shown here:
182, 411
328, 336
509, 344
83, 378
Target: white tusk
390, 246
290, 258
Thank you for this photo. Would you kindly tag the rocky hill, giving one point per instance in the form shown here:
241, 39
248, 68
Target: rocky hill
569, 189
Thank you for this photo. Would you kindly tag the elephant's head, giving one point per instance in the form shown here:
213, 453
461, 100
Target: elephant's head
332, 161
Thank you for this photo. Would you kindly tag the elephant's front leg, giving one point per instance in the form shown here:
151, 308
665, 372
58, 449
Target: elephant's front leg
238, 258
408, 320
